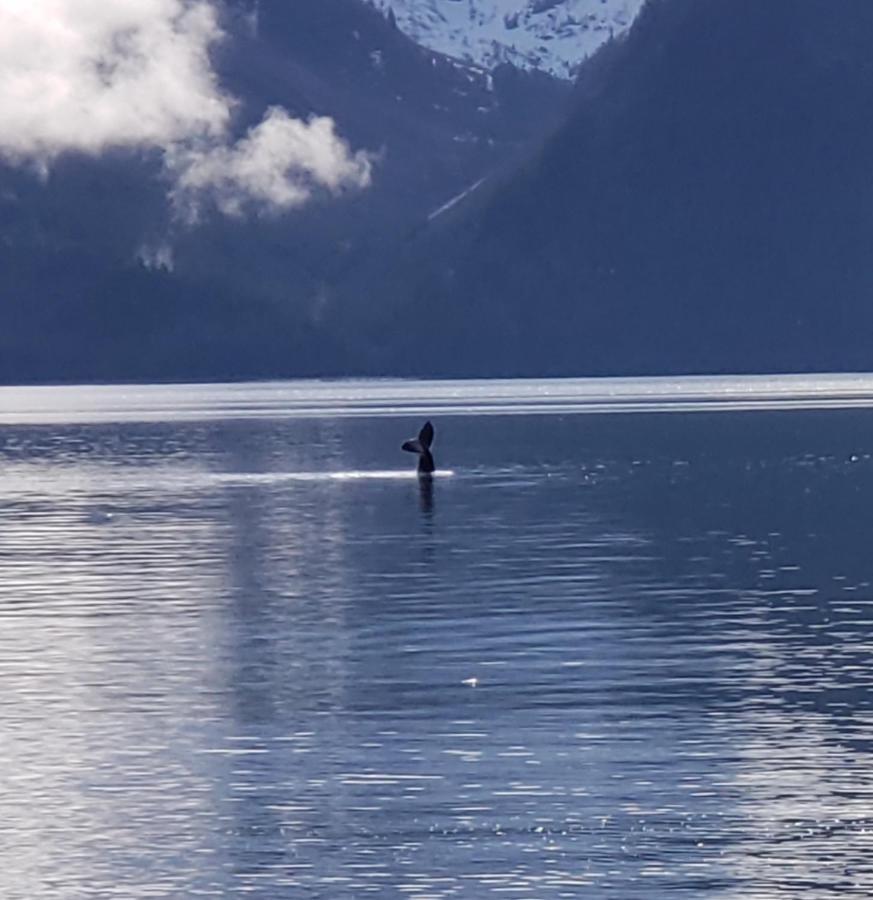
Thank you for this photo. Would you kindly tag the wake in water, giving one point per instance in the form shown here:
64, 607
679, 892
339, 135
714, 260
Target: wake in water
354, 475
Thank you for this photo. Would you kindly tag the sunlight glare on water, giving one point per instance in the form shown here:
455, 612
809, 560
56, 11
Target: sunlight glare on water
245, 651
160, 402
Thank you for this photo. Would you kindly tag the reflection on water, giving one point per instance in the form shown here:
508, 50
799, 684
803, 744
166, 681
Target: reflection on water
608, 656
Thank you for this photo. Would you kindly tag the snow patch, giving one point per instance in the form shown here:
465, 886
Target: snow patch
553, 36
456, 200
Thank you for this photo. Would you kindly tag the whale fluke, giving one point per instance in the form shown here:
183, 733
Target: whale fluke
421, 446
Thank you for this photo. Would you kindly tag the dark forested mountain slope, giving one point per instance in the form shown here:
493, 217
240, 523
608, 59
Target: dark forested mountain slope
706, 208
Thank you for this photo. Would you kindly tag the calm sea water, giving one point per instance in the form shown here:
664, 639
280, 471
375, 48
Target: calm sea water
622, 649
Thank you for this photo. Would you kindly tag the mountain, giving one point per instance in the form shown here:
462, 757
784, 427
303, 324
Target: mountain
101, 281
705, 208
553, 36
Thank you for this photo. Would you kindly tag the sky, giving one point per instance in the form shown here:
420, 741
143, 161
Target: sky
89, 76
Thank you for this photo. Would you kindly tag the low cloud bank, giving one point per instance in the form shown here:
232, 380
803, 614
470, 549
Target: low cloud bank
88, 76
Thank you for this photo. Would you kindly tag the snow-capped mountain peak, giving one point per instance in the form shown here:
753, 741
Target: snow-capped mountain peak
551, 35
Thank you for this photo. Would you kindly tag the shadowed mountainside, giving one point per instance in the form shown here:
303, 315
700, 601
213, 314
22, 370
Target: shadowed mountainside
706, 208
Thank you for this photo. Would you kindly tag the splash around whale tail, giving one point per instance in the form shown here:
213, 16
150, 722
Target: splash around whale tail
421, 445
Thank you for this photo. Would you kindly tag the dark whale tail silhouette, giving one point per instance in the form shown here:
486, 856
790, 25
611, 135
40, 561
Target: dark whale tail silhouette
421, 446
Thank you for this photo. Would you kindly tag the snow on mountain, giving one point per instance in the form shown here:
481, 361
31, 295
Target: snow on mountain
551, 35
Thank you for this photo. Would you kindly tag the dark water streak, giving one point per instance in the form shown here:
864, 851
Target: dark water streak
611, 656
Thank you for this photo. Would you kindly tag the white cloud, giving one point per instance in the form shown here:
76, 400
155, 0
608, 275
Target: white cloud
91, 75
87, 75
277, 166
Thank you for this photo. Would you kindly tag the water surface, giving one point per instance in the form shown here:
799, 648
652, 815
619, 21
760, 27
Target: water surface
245, 652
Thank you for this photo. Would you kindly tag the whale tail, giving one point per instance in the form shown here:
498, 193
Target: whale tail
421, 446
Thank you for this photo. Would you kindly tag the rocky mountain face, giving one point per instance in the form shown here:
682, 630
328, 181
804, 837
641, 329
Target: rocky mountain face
553, 36
705, 208
101, 281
